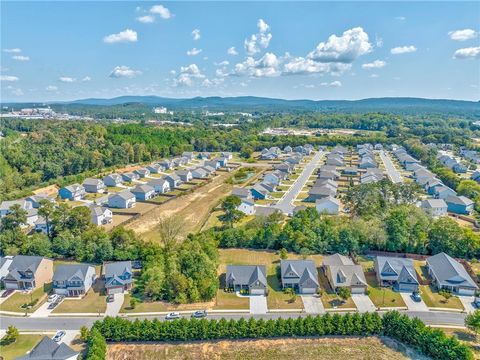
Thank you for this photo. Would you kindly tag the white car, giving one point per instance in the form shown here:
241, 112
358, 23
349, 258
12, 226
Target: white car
59, 336
173, 316
52, 298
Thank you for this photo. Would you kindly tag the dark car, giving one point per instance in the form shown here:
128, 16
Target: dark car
110, 298
476, 302
199, 314
416, 296
7, 292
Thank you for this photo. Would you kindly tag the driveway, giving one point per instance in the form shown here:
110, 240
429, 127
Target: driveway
412, 305
363, 303
114, 307
69, 336
2, 299
258, 304
313, 304
393, 174
286, 203
42, 311
467, 302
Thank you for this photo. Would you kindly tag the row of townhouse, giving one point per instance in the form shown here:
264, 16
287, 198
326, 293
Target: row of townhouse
26, 273
275, 152
340, 271
470, 155
452, 163
444, 199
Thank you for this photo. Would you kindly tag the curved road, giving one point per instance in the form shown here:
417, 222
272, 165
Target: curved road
437, 318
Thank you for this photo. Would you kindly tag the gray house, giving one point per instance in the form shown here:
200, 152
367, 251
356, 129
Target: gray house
342, 272
93, 185
161, 186
143, 192
397, 272
449, 274
122, 200
184, 175
143, 172
155, 168
252, 278
112, 180
199, 173
174, 180
35, 199
301, 275
48, 349
74, 279
118, 276
130, 176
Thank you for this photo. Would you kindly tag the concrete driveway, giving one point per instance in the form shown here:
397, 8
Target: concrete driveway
2, 299
42, 311
313, 304
69, 336
467, 302
258, 304
114, 307
412, 305
363, 303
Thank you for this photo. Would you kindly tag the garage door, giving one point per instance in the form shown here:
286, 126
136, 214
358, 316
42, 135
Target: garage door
257, 291
11, 285
358, 290
115, 290
467, 292
406, 287
309, 291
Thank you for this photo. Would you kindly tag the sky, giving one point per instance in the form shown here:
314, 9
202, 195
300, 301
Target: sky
292, 50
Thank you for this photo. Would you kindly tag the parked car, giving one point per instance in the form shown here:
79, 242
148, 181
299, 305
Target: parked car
7, 292
199, 314
173, 316
110, 298
416, 296
52, 298
476, 302
52, 305
59, 336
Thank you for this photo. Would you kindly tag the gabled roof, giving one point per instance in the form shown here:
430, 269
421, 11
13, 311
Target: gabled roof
337, 259
302, 269
75, 188
406, 276
390, 268
93, 182
347, 275
434, 204
459, 200
173, 176
97, 210
309, 275
47, 349
65, 272
125, 194
157, 182
247, 274
114, 176
448, 271
328, 200
21, 264
117, 268
142, 189
240, 192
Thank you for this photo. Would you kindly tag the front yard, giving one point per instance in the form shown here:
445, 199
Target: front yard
94, 302
434, 300
24, 343
383, 296
330, 299
17, 300
159, 306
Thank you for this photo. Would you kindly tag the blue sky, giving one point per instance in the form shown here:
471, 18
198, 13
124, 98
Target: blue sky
315, 50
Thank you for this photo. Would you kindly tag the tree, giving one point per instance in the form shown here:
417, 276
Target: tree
15, 218
170, 231
47, 210
472, 321
11, 335
84, 332
290, 291
283, 254
344, 293
231, 214
133, 302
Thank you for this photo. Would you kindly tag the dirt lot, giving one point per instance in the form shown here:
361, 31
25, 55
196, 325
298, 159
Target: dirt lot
51, 190
193, 208
279, 349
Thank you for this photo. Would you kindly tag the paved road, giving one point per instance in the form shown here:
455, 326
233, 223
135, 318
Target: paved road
72, 323
286, 203
392, 172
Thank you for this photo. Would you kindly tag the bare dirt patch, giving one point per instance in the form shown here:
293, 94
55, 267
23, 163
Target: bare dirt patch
51, 190
341, 348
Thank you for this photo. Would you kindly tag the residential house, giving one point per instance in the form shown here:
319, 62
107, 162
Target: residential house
266, 211
284, 167
100, 215
5, 262
319, 192
397, 272
301, 275
41, 225
5, 206
118, 276
342, 272
37, 198
208, 169
350, 171
184, 175
48, 349
112, 180
73, 192
143, 192
459, 205
204, 156
143, 172
130, 176
215, 163
94, 185
223, 161
173, 180
259, 192
166, 164
287, 149
434, 207
252, 278
449, 274
242, 193
337, 161
199, 173
329, 205
272, 178
188, 155
155, 168
73, 279
28, 272
247, 206
443, 192
227, 155
122, 200
431, 186
161, 186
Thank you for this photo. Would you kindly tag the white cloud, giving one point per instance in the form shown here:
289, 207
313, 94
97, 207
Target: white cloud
124, 72
187, 75
162, 11
403, 49
9, 78
66, 79
21, 58
255, 42
222, 63
463, 35
127, 35
467, 53
345, 48
212, 82
232, 51
194, 52
86, 78
147, 19
374, 76
401, 18
51, 88
196, 34
377, 64
267, 66
332, 84
301, 65
15, 50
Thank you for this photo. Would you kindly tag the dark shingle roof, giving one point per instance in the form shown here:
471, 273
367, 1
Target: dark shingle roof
47, 349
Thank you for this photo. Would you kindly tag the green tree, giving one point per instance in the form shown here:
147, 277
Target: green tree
46, 210
84, 333
472, 321
11, 335
344, 293
15, 218
231, 214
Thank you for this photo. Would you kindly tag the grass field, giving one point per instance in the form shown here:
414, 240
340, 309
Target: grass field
14, 302
341, 348
23, 344
433, 299
383, 296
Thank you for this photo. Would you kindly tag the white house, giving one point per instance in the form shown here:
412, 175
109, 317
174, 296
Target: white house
329, 205
100, 215
247, 206
161, 186
435, 207
122, 200
112, 180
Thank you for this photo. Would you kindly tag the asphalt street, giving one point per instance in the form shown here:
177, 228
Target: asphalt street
393, 173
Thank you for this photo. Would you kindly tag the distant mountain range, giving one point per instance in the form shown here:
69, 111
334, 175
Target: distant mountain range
252, 103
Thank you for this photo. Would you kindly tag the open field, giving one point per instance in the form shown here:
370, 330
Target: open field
23, 344
340, 348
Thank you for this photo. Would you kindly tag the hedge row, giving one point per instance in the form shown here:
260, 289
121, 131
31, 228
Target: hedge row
413, 332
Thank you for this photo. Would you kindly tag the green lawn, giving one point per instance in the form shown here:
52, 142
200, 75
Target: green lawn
160, 199
20, 347
17, 300
229, 300
277, 194
93, 302
383, 296
433, 299
113, 189
329, 298
366, 262
93, 196
476, 267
